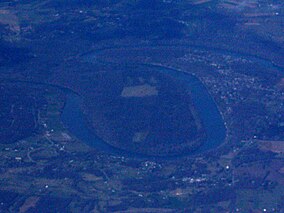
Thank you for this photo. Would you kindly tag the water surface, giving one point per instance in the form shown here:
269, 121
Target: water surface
209, 114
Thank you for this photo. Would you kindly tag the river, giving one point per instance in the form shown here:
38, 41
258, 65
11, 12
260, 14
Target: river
73, 118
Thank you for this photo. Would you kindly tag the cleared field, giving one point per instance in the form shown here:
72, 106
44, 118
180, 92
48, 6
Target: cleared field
273, 146
139, 91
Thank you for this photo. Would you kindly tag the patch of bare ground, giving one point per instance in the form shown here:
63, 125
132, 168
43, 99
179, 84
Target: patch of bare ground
139, 91
29, 203
273, 146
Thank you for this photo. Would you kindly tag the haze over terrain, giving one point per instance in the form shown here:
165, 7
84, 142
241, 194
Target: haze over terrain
141, 106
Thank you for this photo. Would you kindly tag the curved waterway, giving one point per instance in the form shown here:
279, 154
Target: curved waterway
88, 56
73, 118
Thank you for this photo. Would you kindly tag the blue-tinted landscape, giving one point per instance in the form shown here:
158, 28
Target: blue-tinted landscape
141, 106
